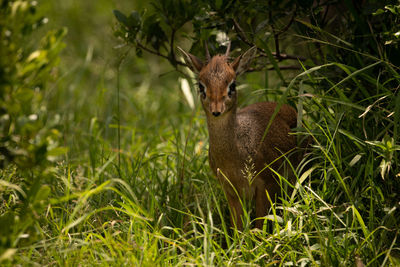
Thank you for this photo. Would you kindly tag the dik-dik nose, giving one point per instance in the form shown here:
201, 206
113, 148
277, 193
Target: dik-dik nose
216, 108
216, 113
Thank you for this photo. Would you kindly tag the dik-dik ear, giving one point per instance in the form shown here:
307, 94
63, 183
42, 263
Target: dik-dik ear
194, 63
242, 62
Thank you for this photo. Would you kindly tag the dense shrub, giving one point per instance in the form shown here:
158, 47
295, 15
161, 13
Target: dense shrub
29, 138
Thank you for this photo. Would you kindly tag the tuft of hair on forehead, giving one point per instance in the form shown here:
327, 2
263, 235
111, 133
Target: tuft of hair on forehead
218, 63
217, 70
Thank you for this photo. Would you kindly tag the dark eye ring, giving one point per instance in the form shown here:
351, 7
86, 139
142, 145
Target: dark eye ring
232, 89
202, 90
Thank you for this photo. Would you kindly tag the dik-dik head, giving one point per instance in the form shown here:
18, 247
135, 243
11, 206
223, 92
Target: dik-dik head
217, 79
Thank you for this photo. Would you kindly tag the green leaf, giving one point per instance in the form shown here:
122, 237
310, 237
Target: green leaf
56, 152
134, 20
378, 12
121, 17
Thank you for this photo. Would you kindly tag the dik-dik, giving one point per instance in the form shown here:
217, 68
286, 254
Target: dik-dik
236, 135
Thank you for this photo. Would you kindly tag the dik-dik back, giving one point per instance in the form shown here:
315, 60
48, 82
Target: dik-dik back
236, 136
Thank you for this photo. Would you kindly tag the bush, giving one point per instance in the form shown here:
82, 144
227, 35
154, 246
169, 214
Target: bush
29, 138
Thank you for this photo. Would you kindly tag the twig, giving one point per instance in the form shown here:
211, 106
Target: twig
287, 56
241, 33
288, 67
276, 35
173, 59
284, 29
279, 56
120, 61
157, 53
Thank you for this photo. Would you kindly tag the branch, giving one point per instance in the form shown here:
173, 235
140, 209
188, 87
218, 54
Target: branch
283, 56
277, 55
284, 29
288, 56
241, 33
276, 35
279, 32
288, 67
173, 59
157, 53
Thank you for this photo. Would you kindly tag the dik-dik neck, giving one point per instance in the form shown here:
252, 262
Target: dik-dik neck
222, 132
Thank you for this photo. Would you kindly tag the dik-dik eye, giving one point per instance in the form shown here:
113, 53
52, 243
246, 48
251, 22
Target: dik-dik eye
232, 88
202, 90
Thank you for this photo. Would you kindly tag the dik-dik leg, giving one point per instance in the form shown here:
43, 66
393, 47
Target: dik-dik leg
236, 211
262, 202
262, 206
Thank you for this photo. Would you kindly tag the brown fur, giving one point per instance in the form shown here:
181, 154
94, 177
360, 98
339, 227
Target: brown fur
235, 137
